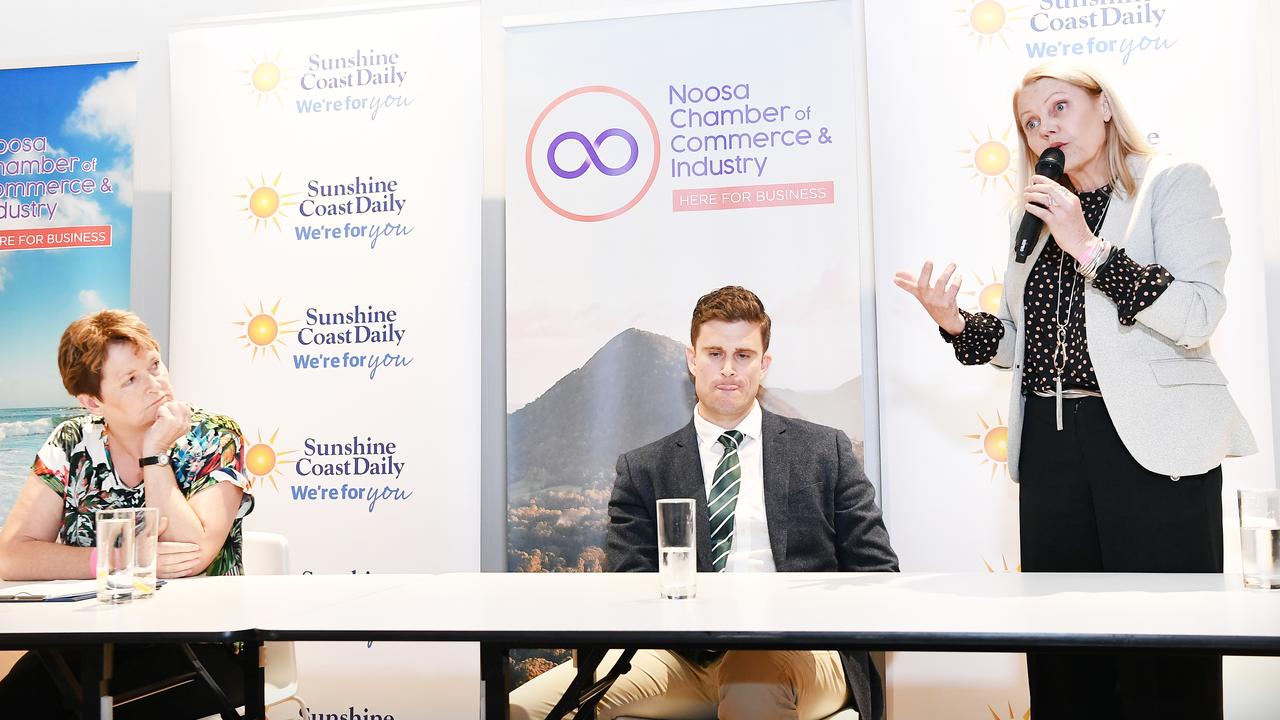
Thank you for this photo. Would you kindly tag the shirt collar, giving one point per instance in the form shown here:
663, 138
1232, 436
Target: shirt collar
709, 433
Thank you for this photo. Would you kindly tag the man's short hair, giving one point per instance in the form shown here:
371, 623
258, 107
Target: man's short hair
730, 304
83, 348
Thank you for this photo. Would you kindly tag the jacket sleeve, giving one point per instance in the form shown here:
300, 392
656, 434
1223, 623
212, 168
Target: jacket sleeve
1008, 341
631, 539
980, 341
862, 542
1005, 351
1192, 243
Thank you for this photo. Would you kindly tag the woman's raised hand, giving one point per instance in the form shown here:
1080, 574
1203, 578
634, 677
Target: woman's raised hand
938, 299
173, 420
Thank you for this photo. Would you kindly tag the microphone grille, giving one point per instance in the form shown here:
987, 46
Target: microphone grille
1051, 163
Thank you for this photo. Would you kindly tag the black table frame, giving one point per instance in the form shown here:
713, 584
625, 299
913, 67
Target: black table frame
97, 660
495, 646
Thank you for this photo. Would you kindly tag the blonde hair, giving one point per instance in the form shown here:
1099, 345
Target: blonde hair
1123, 138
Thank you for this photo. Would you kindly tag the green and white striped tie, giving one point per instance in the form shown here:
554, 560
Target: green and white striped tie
723, 499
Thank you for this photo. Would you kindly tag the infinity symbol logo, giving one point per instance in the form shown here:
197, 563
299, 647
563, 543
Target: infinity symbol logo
615, 190
591, 147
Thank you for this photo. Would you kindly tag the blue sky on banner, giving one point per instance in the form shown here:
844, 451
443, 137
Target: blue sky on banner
84, 111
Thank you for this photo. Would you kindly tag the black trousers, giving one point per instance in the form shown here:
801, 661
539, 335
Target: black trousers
28, 691
1087, 506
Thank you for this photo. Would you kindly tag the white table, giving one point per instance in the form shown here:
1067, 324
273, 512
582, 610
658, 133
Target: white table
909, 611
1010, 612
182, 612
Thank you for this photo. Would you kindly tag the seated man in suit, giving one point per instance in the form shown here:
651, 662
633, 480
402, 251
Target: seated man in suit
774, 494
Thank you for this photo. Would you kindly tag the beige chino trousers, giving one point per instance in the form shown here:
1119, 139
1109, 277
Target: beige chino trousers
739, 685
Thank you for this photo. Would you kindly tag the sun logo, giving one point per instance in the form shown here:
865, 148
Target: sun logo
990, 159
994, 441
987, 21
996, 715
263, 461
262, 330
265, 203
990, 294
1003, 563
263, 78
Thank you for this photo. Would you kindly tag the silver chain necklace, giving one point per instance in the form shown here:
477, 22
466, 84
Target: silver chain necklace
1060, 334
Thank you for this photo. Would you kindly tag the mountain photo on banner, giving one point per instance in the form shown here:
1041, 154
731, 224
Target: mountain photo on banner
638, 181
66, 217
563, 447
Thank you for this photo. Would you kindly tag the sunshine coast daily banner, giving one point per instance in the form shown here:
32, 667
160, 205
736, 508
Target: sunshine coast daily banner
326, 270
650, 160
945, 153
66, 225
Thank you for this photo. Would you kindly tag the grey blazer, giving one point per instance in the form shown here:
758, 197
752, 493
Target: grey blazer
1162, 387
819, 507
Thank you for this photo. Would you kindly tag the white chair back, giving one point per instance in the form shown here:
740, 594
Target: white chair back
265, 553
268, 554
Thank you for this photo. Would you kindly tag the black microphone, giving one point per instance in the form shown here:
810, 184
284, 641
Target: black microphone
1051, 164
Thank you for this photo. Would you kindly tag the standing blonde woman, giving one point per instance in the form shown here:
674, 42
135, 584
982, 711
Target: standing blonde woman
1119, 417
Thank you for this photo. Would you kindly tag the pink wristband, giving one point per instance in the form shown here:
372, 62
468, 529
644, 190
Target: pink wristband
93, 562
1096, 249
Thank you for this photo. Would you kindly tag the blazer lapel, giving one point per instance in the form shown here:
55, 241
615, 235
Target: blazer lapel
1015, 279
687, 482
1115, 227
777, 477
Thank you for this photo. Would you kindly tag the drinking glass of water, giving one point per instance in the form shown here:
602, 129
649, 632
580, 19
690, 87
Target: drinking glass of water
115, 531
677, 548
1260, 537
146, 534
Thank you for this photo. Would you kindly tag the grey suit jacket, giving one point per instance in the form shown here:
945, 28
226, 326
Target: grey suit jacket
819, 507
1162, 387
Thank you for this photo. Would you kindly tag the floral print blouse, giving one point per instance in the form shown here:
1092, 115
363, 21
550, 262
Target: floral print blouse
75, 462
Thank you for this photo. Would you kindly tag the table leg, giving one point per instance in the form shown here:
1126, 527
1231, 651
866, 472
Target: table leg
584, 691
495, 676
95, 682
67, 682
254, 681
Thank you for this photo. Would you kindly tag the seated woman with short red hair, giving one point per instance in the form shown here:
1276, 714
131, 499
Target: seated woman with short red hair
138, 446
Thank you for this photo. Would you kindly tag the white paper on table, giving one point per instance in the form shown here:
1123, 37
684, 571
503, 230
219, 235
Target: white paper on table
51, 589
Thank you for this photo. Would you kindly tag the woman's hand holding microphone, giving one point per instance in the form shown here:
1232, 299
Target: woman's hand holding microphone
1060, 209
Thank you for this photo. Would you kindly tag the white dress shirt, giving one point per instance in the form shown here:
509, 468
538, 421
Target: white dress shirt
750, 551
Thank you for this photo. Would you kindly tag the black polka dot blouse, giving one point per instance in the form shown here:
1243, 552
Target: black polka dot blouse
1132, 287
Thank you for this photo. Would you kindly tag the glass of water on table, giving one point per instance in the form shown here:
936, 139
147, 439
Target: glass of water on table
115, 533
146, 535
1260, 537
677, 548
